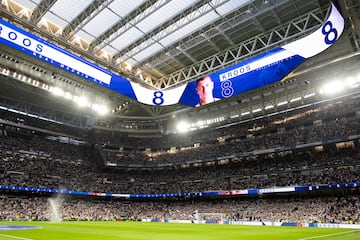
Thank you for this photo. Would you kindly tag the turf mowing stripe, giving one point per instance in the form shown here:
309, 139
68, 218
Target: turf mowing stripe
329, 235
10, 236
16, 227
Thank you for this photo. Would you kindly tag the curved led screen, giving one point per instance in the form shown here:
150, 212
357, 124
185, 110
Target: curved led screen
255, 72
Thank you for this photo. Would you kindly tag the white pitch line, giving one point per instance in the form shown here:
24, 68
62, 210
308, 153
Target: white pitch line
10, 236
328, 235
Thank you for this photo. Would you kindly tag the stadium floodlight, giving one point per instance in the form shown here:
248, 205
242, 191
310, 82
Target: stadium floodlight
100, 109
309, 95
95, 106
257, 110
103, 110
295, 99
200, 123
269, 107
245, 113
45, 86
68, 96
332, 87
351, 81
5, 71
182, 127
81, 101
57, 91
282, 103
35, 83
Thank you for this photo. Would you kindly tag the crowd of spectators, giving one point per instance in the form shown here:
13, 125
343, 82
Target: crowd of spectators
37, 161
252, 172
293, 120
325, 209
33, 160
24, 164
326, 122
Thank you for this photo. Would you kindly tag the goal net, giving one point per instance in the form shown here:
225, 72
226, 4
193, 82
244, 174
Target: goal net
203, 217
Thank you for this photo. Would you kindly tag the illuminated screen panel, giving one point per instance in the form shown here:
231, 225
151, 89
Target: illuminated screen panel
32, 45
37, 47
263, 69
253, 73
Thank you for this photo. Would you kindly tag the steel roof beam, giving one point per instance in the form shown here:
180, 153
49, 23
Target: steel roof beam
41, 9
195, 39
84, 17
273, 38
141, 44
126, 23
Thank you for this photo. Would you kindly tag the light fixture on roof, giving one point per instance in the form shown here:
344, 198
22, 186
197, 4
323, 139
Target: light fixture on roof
57, 91
310, 95
295, 99
81, 101
68, 96
332, 87
182, 127
350, 81
269, 107
100, 109
282, 103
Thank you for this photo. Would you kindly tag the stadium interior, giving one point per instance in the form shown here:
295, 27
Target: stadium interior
164, 162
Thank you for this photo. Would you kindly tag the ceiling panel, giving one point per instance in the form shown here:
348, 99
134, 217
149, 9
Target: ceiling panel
154, 48
191, 27
124, 7
131, 62
110, 49
127, 38
163, 14
67, 11
101, 22
55, 19
85, 35
230, 6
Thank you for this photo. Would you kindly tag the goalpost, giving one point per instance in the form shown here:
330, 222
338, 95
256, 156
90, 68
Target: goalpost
208, 217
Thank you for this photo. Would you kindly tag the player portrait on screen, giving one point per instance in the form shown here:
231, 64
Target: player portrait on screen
204, 88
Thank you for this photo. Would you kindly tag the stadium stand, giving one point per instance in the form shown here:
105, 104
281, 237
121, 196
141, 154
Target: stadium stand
32, 159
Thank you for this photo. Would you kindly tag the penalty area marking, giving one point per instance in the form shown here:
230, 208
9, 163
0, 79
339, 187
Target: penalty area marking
329, 235
14, 237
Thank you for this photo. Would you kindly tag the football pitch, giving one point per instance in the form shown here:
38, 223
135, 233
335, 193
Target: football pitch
166, 231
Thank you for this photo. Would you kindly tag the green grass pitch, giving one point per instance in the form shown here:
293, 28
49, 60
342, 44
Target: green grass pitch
168, 231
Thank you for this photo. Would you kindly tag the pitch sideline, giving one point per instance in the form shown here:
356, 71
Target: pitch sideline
329, 235
14, 237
